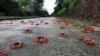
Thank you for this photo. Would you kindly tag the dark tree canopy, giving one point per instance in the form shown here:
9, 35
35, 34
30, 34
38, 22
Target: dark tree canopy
9, 7
22, 8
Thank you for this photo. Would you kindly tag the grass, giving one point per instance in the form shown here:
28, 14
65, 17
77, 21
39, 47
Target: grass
79, 23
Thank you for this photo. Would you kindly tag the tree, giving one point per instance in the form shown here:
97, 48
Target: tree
22, 8
9, 7
64, 5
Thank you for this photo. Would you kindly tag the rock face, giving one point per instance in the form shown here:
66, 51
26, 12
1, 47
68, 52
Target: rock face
86, 8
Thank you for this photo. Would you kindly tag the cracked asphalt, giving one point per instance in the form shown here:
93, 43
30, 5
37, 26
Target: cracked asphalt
56, 46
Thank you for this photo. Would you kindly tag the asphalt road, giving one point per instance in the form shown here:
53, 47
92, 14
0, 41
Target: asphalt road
56, 46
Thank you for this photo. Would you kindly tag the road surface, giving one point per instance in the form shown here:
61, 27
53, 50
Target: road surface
56, 46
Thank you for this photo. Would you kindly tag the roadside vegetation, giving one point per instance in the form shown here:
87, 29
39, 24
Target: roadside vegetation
82, 13
22, 8
79, 23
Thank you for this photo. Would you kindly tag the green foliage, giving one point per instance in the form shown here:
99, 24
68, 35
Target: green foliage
32, 7
61, 11
9, 7
79, 23
65, 5
2, 14
23, 2
22, 8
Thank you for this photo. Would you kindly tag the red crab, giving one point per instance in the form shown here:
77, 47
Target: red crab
66, 21
16, 45
3, 54
87, 29
83, 38
91, 42
22, 22
40, 39
41, 21
27, 31
62, 27
88, 41
46, 22
32, 22
37, 23
63, 34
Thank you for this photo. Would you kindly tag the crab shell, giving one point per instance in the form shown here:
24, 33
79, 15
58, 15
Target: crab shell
91, 42
87, 29
40, 39
88, 41
3, 54
37, 24
46, 22
16, 45
32, 22
27, 31
66, 21
82, 37
63, 34
22, 22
